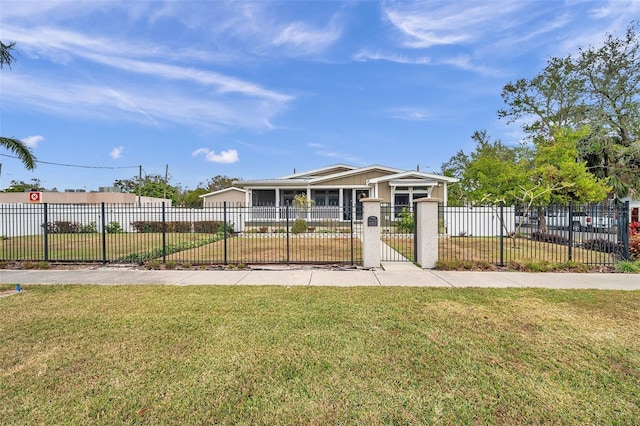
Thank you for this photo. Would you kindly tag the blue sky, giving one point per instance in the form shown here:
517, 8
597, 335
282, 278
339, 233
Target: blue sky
256, 90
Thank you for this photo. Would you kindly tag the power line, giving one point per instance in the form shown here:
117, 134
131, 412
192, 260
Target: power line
75, 165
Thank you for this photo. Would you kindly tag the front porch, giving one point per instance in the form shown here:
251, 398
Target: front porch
276, 204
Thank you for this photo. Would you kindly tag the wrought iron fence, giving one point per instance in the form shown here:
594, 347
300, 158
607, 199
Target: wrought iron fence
214, 235
594, 234
397, 233
227, 235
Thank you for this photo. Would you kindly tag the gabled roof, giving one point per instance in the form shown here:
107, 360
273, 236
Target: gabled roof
413, 174
355, 172
323, 171
342, 170
221, 191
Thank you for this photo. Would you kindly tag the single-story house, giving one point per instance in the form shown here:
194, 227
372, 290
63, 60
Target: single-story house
337, 189
232, 196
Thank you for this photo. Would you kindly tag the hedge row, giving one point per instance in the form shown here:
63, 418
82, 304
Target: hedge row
62, 227
203, 227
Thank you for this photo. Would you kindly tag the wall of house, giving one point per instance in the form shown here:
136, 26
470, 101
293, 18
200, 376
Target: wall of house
81, 198
357, 179
437, 192
233, 198
384, 192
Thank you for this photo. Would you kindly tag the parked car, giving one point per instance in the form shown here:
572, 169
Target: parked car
581, 221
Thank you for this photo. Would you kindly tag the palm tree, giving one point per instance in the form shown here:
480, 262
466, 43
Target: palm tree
22, 151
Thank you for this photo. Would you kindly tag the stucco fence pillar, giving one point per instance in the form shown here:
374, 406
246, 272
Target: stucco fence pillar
427, 232
371, 232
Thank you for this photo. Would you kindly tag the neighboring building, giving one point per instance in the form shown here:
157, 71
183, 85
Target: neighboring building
232, 196
337, 189
79, 197
634, 209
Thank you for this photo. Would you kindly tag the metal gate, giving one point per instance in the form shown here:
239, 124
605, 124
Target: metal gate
397, 233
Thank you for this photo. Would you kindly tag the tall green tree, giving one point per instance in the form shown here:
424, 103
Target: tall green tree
22, 186
218, 182
21, 151
150, 186
15, 146
548, 172
487, 174
599, 87
6, 56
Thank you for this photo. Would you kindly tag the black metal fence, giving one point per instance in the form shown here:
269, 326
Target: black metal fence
138, 234
594, 234
234, 235
398, 233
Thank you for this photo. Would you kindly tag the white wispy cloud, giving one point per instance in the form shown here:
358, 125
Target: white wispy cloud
146, 105
432, 23
411, 114
366, 55
116, 152
302, 39
228, 156
323, 150
33, 141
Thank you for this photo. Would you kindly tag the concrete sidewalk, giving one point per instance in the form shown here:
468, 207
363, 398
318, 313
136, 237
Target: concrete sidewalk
390, 274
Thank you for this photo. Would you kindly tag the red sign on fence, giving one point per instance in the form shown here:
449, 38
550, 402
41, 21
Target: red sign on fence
35, 197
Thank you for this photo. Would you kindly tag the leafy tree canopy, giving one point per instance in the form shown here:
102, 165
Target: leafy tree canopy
150, 186
599, 87
22, 186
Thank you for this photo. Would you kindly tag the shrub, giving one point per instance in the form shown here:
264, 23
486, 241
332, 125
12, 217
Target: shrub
634, 247
405, 222
601, 245
207, 226
299, 226
91, 228
153, 264
113, 228
62, 227
634, 228
549, 238
627, 267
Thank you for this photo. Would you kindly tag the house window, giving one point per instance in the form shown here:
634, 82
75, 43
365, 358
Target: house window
263, 197
325, 197
287, 196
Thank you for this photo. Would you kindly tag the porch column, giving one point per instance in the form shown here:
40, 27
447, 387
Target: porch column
371, 232
427, 232
277, 206
308, 208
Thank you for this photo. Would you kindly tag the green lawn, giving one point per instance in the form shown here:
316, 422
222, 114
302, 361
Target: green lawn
487, 249
275, 355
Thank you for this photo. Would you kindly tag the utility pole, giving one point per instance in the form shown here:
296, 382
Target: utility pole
139, 184
166, 178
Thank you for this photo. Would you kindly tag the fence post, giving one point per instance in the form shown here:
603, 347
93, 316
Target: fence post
224, 229
427, 224
164, 236
416, 236
104, 234
46, 231
570, 224
286, 210
371, 232
502, 225
352, 233
623, 230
